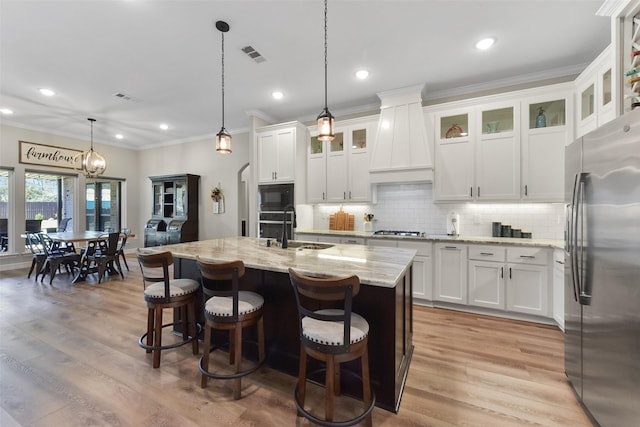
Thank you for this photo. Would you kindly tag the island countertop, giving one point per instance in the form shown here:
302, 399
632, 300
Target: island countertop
378, 266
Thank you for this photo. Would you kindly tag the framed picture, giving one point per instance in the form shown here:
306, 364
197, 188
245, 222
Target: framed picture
47, 155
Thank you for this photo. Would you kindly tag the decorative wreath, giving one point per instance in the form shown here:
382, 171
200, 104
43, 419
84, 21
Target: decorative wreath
216, 194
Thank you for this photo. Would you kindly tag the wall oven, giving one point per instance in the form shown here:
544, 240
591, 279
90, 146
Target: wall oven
272, 199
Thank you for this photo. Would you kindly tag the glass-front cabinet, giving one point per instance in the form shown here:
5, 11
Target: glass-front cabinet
454, 159
338, 170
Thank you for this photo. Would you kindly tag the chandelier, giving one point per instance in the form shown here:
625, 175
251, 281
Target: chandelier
93, 163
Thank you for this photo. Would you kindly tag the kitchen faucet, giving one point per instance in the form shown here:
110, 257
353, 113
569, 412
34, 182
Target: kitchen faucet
284, 224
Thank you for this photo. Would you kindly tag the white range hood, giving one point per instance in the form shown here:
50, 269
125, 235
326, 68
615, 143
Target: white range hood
402, 151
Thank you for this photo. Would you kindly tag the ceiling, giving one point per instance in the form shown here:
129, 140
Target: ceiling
166, 56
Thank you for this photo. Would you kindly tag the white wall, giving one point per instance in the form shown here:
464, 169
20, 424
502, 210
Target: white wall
198, 158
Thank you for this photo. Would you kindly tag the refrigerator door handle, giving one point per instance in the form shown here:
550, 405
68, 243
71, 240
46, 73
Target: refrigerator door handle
583, 297
571, 247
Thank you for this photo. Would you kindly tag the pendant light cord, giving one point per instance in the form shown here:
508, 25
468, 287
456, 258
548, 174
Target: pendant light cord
222, 80
92, 120
325, 56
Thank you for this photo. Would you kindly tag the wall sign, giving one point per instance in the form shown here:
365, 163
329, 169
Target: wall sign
47, 155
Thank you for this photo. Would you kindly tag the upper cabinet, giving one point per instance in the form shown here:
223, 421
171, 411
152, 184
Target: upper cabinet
594, 94
478, 153
503, 147
281, 151
546, 131
338, 170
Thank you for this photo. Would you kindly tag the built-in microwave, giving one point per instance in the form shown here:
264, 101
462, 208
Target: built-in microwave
274, 197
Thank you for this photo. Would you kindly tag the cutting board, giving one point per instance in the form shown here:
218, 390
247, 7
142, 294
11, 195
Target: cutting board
341, 221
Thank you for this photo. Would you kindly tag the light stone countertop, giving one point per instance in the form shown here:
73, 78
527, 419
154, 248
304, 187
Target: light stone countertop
551, 243
376, 266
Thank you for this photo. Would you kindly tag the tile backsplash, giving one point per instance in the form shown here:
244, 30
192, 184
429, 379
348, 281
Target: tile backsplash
411, 207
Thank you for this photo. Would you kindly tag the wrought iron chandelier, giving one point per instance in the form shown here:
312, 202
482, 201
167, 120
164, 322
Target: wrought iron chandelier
93, 163
223, 138
325, 119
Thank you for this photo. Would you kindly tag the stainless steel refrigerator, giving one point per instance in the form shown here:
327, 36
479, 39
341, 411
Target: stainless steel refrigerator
602, 271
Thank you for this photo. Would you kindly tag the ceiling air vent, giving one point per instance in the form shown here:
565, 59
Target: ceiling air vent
126, 97
253, 54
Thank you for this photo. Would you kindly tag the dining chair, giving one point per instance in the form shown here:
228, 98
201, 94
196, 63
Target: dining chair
56, 257
123, 242
64, 224
334, 336
37, 252
108, 257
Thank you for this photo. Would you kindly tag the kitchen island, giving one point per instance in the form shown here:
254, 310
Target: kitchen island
385, 300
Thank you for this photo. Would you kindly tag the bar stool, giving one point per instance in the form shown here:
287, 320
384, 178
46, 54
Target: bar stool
165, 292
228, 308
333, 336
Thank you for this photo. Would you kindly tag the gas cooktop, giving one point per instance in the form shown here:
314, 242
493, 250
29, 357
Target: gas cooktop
397, 233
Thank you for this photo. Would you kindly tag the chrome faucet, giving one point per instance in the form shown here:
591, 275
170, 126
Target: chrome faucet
284, 224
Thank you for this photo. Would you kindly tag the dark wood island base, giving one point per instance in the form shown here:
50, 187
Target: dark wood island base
388, 311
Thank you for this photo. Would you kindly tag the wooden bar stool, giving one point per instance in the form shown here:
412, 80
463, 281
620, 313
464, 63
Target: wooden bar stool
333, 336
164, 292
229, 308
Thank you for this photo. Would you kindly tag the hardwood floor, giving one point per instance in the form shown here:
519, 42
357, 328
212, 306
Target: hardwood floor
69, 357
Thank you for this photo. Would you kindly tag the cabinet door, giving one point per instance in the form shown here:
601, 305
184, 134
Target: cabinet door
454, 160
486, 284
527, 289
316, 171
451, 273
359, 182
543, 151
286, 145
422, 282
337, 171
558, 287
267, 157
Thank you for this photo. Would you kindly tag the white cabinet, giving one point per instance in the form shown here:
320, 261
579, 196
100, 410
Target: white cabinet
280, 149
487, 276
422, 269
558, 287
546, 132
528, 280
450, 273
594, 94
478, 153
338, 170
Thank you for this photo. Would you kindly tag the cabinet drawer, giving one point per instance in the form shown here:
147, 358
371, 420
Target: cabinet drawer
487, 253
526, 255
423, 248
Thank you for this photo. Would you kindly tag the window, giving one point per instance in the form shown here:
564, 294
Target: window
4, 210
49, 200
103, 205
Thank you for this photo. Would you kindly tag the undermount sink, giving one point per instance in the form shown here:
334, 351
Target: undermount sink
293, 244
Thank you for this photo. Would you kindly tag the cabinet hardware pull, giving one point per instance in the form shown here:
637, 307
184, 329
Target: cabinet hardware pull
525, 190
471, 191
276, 172
528, 256
560, 262
502, 272
451, 247
349, 195
486, 253
344, 195
509, 272
478, 191
323, 195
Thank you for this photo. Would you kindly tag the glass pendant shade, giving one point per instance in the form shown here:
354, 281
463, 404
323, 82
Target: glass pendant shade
325, 126
223, 142
92, 163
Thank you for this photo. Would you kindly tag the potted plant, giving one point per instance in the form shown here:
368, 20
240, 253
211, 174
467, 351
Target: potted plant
218, 199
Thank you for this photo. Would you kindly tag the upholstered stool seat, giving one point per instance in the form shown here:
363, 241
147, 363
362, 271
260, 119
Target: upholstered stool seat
228, 308
333, 336
165, 292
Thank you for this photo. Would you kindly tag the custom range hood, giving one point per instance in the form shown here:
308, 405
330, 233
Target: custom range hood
402, 151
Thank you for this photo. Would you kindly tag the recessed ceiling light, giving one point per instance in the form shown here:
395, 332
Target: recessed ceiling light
362, 74
119, 136
277, 94
6, 111
46, 92
485, 43
164, 126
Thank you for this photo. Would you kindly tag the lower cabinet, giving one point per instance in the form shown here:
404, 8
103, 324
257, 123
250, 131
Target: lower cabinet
487, 276
558, 287
422, 269
451, 273
528, 280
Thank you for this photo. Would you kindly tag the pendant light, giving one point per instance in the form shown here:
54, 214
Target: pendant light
325, 119
223, 138
92, 163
